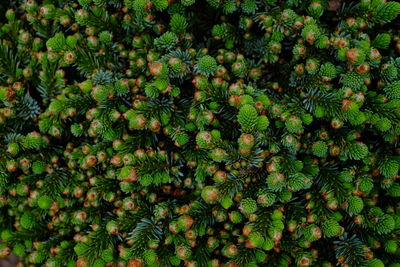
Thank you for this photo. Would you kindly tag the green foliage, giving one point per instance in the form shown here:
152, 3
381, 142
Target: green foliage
382, 40
200, 133
330, 228
386, 12
178, 23
167, 41
207, 64
247, 117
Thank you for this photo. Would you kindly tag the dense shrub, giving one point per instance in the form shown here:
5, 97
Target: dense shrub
200, 132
